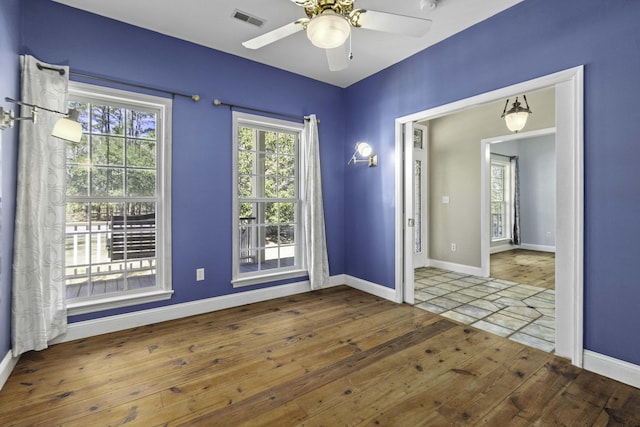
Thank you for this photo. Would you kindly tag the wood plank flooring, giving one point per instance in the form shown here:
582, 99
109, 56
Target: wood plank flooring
332, 357
526, 267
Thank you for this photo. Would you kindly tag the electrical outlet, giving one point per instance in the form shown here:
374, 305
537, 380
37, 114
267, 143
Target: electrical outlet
453, 247
200, 274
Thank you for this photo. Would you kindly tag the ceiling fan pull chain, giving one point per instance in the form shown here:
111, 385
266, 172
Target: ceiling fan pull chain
350, 49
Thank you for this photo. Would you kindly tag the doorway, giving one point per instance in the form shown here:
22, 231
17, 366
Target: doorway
569, 208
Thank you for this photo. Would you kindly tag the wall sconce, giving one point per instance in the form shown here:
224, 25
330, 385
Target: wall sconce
365, 152
67, 127
517, 116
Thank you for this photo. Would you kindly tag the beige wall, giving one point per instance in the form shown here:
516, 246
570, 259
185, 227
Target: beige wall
454, 170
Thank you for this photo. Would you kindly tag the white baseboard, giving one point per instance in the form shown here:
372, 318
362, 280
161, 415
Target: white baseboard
371, 288
610, 367
502, 248
540, 248
456, 268
6, 367
135, 319
616, 369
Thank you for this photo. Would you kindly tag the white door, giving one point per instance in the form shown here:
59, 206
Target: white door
415, 167
409, 220
419, 167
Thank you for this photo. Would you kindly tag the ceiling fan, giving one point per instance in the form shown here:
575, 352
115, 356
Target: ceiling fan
329, 22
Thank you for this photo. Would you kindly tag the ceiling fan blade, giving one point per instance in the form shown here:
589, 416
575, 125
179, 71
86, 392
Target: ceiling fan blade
337, 58
274, 36
392, 23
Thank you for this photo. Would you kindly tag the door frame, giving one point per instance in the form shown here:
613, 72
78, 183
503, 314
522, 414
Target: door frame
569, 198
485, 181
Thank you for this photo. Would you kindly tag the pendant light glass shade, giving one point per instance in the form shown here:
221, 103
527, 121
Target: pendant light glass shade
516, 121
328, 30
68, 128
516, 117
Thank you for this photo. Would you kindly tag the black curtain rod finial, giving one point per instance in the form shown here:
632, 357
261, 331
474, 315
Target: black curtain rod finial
195, 98
44, 67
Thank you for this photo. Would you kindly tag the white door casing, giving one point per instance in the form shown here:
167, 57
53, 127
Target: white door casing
569, 199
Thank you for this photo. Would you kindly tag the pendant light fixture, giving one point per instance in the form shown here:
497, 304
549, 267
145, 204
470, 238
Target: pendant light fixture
516, 117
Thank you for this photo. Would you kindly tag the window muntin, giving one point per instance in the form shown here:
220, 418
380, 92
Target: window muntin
118, 200
267, 204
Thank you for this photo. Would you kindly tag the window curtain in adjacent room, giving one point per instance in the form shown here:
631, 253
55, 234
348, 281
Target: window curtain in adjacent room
39, 309
315, 237
515, 236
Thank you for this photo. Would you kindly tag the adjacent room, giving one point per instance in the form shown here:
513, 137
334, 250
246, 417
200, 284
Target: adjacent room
319, 212
515, 298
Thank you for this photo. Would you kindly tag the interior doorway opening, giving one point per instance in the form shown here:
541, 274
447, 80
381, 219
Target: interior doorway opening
569, 208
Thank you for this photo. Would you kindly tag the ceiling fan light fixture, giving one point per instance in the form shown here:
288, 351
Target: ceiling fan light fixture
328, 30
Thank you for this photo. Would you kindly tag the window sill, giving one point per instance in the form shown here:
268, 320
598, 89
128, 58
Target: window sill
266, 278
109, 303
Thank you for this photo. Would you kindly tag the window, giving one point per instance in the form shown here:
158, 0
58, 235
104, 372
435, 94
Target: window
267, 242
118, 200
500, 200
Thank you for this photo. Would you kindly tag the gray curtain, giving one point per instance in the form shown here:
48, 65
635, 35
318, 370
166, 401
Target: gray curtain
515, 235
315, 237
38, 305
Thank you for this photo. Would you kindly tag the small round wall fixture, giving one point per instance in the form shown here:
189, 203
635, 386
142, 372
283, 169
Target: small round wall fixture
364, 153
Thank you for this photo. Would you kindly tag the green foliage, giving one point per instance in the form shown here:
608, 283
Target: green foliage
117, 144
267, 169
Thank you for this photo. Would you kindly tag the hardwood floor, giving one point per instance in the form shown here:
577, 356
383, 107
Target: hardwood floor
332, 357
525, 267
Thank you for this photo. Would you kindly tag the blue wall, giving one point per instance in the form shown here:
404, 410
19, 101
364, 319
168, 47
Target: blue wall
9, 86
201, 170
534, 38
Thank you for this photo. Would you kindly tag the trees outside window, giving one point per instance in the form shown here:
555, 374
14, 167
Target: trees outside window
117, 196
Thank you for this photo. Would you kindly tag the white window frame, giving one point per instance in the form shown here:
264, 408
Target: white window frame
508, 201
163, 289
299, 269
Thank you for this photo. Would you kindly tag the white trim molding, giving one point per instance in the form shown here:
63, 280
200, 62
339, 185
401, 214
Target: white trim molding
135, 319
457, 268
539, 248
610, 367
6, 367
125, 321
569, 198
485, 182
372, 288
502, 248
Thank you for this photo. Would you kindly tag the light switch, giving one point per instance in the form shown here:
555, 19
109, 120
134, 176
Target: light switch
445, 200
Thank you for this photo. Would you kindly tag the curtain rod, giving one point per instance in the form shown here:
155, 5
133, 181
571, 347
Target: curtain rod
219, 103
502, 155
195, 98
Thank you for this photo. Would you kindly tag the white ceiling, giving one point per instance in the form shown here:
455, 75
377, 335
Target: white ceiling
210, 23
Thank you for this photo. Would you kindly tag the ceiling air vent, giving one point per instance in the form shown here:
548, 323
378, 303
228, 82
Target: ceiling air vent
243, 16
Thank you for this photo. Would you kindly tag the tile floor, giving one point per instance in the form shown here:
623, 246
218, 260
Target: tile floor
523, 313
